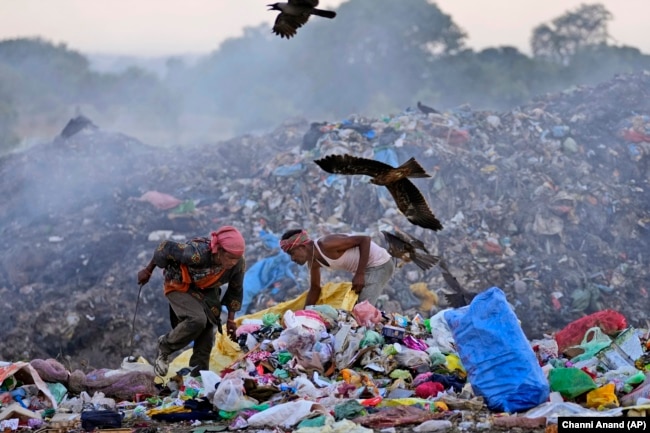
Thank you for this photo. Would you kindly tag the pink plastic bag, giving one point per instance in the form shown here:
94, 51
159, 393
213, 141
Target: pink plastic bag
160, 200
366, 314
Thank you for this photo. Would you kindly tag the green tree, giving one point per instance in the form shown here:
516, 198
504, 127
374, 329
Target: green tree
378, 46
495, 78
568, 33
50, 74
596, 63
374, 50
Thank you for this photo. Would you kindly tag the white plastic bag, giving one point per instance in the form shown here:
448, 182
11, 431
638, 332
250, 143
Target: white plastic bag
229, 395
286, 414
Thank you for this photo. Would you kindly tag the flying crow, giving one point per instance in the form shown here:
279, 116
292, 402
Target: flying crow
294, 14
408, 198
404, 246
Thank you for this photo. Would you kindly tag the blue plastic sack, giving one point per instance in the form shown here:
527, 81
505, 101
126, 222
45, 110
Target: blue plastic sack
500, 363
263, 274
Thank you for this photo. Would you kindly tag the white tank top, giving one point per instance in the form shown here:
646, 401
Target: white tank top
349, 260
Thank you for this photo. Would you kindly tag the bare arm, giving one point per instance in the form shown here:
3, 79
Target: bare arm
314, 285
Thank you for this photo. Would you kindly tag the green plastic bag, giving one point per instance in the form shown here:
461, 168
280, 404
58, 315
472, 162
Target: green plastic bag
570, 382
593, 342
371, 338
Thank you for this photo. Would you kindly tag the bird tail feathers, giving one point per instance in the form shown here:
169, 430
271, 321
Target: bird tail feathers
413, 169
456, 300
425, 261
324, 14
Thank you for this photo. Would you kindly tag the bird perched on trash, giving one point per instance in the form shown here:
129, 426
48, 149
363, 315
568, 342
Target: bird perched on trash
408, 198
460, 297
294, 14
403, 246
426, 109
77, 124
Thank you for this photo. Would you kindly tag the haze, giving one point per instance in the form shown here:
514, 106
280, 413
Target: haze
169, 27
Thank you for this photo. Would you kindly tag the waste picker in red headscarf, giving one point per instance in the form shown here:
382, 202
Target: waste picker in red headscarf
194, 272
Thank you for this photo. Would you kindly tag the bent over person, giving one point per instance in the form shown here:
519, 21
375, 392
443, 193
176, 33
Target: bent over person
194, 272
370, 264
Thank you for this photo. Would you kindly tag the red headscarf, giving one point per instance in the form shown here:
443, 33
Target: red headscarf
228, 238
300, 238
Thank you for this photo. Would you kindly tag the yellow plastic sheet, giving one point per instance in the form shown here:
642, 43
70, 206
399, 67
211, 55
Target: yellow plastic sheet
338, 295
603, 398
225, 351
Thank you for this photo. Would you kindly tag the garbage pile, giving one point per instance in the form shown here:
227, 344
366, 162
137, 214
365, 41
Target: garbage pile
327, 369
548, 201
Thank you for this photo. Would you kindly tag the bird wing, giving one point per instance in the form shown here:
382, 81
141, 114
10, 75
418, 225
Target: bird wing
286, 25
460, 297
415, 242
396, 246
348, 164
424, 261
304, 3
412, 204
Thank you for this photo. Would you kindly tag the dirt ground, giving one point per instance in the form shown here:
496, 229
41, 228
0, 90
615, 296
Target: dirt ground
455, 418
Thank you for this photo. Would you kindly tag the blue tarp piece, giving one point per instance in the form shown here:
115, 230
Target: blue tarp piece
498, 358
263, 274
270, 240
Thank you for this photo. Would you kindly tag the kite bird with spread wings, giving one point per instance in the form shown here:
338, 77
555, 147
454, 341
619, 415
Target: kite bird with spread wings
403, 246
408, 198
295, 14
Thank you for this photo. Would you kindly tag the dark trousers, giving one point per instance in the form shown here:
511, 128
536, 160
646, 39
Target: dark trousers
189, 323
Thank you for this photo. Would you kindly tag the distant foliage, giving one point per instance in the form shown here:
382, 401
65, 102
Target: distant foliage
8, 119
566, 35
46, 84
376, 57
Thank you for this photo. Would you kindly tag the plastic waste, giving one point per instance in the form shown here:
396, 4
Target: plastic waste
592, 343
500, 363
570, 382
553, 410
641, 392
434, 425
603, 397
286, 414
229, 395
18, 395
366, 314
633, 381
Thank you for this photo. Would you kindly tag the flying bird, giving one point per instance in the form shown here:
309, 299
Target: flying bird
408, 198
294, 14
460, 296
426, 109
404, 246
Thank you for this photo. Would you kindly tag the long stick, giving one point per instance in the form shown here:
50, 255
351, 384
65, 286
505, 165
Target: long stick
135, 314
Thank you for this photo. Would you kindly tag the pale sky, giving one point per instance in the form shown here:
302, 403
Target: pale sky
169, 27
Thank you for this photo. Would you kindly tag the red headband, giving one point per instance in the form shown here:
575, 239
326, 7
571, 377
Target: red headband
300, 238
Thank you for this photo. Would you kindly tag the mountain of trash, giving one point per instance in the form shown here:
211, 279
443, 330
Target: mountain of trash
549, 201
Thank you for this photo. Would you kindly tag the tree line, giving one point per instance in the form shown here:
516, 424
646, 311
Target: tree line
377, 57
